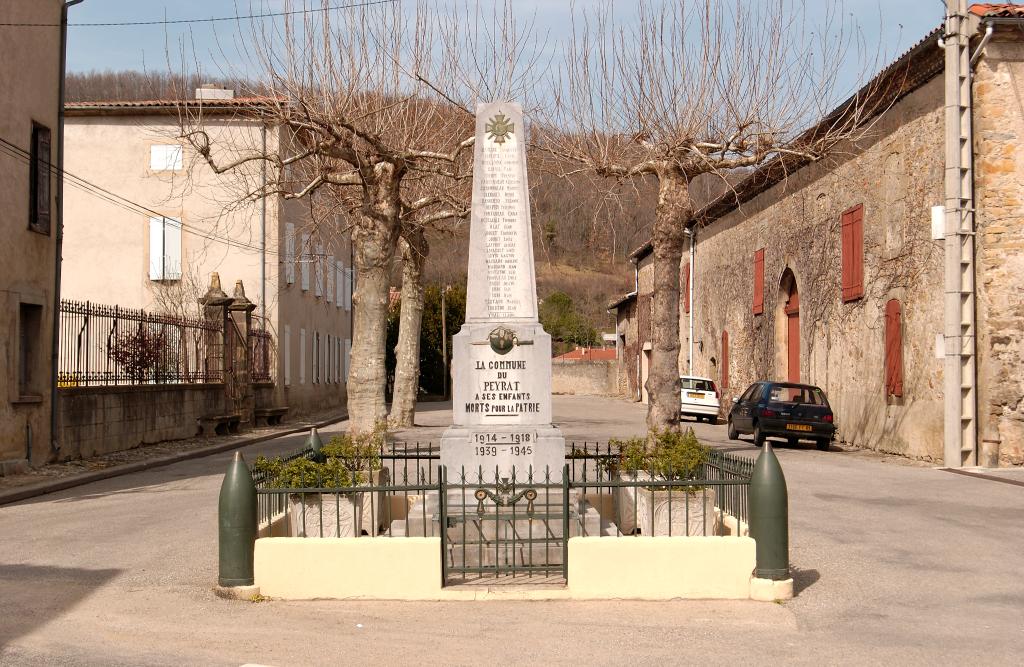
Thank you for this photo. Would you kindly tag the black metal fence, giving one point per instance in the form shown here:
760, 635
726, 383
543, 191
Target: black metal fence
110, 345
262, 356
515, 525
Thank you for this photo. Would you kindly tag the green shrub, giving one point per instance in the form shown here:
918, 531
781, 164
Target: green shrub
668, 454
345, 461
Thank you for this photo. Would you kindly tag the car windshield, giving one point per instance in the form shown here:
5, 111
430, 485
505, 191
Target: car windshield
696, 384
808, 395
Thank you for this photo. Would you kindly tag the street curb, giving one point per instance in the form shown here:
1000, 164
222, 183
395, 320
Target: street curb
43, 488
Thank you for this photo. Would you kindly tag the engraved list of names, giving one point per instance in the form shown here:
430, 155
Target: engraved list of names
501, 285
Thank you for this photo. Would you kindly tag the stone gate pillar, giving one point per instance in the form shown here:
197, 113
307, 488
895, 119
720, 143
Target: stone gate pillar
240, 317
214, 306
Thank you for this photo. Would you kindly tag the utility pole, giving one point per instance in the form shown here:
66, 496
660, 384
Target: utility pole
960, 422
444, 344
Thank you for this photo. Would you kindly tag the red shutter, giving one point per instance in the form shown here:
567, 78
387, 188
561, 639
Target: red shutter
853, 253
893, 348
725, 360
759, 281
686, 288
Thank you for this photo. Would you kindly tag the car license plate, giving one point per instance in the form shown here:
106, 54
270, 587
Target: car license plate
694, 394
797, 427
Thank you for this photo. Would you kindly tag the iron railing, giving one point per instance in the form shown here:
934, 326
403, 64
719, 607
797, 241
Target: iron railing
512, 525
110, 345
262, 355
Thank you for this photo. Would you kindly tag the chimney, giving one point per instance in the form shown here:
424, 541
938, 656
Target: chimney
213, 91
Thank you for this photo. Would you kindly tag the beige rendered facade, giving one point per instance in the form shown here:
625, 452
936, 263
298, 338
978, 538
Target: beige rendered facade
173, 221
30, 65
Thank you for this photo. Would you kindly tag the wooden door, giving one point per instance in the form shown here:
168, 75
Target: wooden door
793, 335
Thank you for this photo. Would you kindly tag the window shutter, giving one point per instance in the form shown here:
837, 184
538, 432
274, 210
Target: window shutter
853, 253
725, 360
172, 249
893, 348
319, 259
287, 355
348, 357
302, 356
304, 262
289, 253
348, 289
759, 281
337, 360
686, 288
39, 179
156, 248
339, 283
331, 269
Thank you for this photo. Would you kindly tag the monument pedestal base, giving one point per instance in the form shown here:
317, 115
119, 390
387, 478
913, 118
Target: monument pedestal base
490, 453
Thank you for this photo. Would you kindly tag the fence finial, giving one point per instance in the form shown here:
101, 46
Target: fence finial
214, 294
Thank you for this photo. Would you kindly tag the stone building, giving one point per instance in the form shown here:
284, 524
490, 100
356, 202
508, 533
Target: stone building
152, 221
29, 221
834, 275
633, 327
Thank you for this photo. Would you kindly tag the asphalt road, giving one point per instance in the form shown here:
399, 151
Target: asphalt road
894, 564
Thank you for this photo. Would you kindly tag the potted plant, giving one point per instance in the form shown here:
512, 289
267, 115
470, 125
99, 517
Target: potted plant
658, 510
344, 462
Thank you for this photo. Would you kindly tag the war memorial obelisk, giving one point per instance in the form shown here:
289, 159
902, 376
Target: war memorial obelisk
501, 358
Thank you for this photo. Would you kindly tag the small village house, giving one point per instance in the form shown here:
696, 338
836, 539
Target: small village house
29, 220
174, 222
838, 273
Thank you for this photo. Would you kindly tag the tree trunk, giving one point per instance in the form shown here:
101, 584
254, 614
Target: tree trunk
673, 211
414, 250
374, 237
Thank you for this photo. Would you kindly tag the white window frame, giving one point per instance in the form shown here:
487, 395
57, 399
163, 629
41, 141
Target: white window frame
302, 356
287, 355
165, 157
164, 248
304, 256
289, 253
319, 291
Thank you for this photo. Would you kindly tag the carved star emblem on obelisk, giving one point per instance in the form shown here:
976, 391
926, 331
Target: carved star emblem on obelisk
499, 128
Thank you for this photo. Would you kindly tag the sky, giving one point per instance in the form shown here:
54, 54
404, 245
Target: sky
888, 28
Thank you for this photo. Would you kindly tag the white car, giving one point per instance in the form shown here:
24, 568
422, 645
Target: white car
698, 397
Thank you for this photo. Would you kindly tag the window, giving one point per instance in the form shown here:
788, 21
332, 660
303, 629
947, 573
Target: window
337, 361
289, 253
725, 360
686, 288
164, 249
348, 356
807, 395
39, 180
759, 281
348, 289
165, 157
315, 358
697, 385
893, 348
339, 283
30, 317
287, 355
319, 269
331, 270
853, 253
302, 356
304, 258
328, 352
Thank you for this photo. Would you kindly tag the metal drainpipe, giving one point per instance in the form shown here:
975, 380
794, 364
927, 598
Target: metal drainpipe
263, 234
59, 239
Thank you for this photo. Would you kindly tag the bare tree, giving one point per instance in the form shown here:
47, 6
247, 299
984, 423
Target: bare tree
348, 93
695, 88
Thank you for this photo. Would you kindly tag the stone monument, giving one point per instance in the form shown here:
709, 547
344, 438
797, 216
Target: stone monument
501, 358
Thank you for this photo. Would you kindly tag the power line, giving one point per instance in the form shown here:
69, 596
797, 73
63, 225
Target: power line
123, 202
265, 15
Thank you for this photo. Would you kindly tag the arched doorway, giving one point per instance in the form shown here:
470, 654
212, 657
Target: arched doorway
787, 328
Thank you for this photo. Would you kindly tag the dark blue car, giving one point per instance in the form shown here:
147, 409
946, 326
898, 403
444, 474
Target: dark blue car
783, 410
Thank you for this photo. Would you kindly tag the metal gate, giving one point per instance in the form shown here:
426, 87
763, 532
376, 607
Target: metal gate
502, 527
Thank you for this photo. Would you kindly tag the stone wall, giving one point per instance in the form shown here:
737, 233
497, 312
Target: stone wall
596, 378
999, 197
897, 174
100, 420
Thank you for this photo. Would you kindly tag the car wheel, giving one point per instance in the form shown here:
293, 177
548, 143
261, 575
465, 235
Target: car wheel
823, 445
758, 435
733, 433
